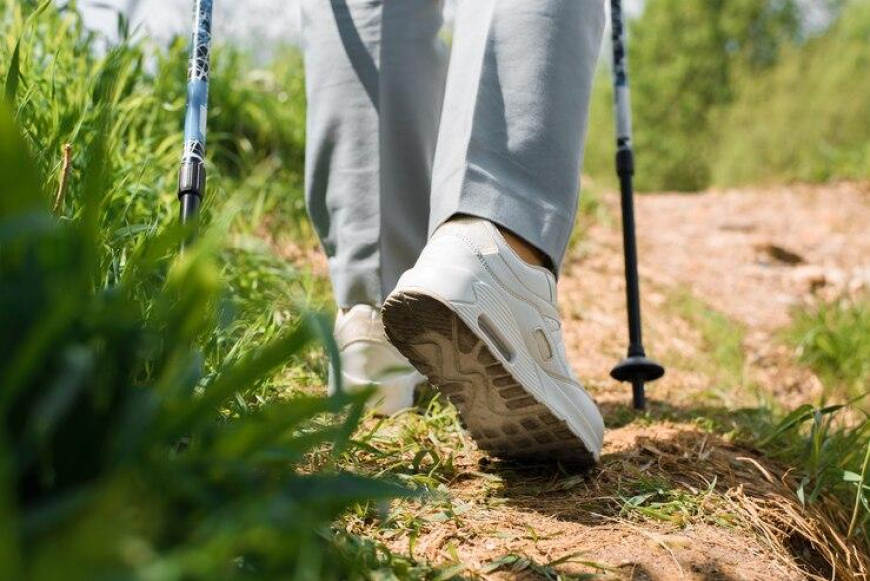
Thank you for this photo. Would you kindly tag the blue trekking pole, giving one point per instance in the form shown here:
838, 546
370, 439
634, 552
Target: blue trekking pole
191, 178
636, 368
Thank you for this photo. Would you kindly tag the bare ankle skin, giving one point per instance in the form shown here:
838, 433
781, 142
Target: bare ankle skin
523, 249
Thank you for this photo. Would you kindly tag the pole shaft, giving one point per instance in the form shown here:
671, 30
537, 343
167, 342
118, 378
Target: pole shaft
632, 282
192, 176
625, 170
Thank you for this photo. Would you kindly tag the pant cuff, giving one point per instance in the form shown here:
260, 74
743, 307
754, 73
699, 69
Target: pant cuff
542, 225
360, 285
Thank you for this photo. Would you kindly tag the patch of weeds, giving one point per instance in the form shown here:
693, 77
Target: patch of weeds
831, 453
622, 415
417, 447
516, 563
830, 445
407, 522
123, 452
374, 560
658, 499
834, 340
420, 451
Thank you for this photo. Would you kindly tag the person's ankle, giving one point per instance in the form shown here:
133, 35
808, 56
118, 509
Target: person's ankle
526, 251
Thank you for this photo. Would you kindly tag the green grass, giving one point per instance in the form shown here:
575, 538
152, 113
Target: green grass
831, 443
518, 564
659, 500
256, 144
826, 446
834, 340
153, 424
830, 450
123, 454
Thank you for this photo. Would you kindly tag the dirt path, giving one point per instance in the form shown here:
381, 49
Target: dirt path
674, 498
751, 256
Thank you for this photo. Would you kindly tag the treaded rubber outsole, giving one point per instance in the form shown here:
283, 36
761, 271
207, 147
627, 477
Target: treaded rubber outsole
504, 419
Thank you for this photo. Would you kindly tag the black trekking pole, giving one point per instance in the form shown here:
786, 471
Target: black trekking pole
636, 368
191, 178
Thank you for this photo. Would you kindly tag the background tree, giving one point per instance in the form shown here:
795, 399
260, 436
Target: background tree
687, 55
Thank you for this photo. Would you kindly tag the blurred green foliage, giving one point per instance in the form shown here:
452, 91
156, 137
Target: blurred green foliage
688, 54
729, 92
256, 140
133, 439
807, 119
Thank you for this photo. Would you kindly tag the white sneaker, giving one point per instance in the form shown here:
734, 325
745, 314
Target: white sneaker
368, 359
483, 325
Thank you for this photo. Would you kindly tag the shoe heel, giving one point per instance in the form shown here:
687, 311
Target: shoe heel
502, 417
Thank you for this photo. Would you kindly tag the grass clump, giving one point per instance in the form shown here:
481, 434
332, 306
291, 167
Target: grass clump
518, 564
121, 454
658, 499
134, 441
831, 444
834, 340
830, 450
69, 90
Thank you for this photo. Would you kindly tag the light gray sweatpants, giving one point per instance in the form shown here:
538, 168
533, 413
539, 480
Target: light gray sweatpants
398, 141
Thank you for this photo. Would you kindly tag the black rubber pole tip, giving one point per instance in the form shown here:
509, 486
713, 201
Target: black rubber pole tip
637, 370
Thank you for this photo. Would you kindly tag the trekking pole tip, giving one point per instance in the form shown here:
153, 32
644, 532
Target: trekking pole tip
637, 370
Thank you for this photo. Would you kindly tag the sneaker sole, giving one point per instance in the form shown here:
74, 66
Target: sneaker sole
503, 418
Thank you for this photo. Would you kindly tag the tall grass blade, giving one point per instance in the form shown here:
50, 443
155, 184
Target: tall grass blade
13, 74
